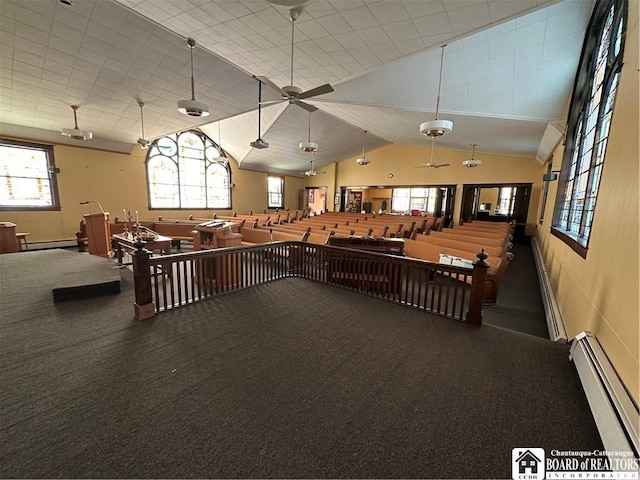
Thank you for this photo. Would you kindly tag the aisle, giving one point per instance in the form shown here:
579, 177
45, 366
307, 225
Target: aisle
519, 305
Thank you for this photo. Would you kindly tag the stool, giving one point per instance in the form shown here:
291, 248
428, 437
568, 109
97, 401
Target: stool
22, 241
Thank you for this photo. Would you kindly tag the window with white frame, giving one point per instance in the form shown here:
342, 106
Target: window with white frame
188, 170
275, 192
27, 177
413, 198
588, 124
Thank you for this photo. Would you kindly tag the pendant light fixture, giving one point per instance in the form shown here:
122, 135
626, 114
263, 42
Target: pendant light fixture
192, 107
473, 162
259, 142
142, 141
437, 127
308, 146
75, 133
363, 160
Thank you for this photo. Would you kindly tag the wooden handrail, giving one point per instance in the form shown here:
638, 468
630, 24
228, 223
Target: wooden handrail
170, 281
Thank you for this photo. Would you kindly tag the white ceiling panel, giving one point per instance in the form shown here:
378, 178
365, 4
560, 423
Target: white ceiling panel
508, 71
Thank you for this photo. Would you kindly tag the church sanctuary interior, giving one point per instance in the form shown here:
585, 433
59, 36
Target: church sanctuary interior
319, 239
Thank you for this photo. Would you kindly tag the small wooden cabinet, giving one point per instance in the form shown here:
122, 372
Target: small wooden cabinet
8, 239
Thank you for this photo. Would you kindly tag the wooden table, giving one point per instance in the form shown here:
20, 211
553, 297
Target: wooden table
161, 243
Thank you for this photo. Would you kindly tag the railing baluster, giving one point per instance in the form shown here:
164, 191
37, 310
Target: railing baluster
185, 278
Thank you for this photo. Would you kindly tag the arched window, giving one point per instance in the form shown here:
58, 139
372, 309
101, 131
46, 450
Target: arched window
590, 113
188, 170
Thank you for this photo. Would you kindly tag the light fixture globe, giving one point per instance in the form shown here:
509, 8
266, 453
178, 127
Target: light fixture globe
471, 163
308, 146
193, 108
436, 128
76, 134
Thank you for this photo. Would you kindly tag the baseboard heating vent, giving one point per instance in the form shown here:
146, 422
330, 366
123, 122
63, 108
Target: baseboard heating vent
614, 411
551, 311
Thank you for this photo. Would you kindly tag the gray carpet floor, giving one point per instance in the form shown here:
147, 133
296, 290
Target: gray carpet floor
291, 379
519, 306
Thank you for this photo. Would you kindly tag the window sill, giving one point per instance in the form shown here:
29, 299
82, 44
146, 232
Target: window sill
570, 241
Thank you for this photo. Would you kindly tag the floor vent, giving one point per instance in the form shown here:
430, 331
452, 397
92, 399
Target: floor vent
614, 411
551, 311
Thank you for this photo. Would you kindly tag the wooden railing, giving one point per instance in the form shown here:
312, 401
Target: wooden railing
165, 282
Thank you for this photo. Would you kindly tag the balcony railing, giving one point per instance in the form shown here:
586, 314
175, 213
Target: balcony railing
166, 282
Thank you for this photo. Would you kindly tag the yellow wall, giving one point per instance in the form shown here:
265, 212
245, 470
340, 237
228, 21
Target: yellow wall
118, 182
600, 293
402, 160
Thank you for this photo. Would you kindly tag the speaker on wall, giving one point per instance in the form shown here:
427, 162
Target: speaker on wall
550, 177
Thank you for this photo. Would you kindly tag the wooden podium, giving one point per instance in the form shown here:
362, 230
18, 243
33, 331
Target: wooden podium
8, 239
224, 273
98, 234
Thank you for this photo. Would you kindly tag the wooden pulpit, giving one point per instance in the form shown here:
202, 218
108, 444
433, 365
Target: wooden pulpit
98, 234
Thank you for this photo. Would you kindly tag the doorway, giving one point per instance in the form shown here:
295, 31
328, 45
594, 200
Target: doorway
314, 199
497, 203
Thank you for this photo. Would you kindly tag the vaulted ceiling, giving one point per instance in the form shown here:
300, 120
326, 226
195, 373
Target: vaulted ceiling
508, 71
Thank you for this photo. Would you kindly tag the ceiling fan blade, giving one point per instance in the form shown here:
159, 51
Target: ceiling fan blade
266, 81
306, 106
321, 90
442, 165
270, 102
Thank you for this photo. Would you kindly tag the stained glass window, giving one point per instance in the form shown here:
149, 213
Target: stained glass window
188, 170
27, 177
589, 122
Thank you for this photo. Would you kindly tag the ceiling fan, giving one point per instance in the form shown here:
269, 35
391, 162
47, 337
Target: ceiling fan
294, 95
430, 163
311, 172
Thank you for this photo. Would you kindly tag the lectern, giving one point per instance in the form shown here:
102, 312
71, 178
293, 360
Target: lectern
98, 234
222, 272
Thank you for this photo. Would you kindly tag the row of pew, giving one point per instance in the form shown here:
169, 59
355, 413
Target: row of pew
424, 237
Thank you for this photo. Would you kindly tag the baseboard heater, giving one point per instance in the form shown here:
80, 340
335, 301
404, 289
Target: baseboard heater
551, 311
615, 413
52, 244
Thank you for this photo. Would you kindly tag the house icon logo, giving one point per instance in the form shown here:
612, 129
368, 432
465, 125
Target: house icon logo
527, 463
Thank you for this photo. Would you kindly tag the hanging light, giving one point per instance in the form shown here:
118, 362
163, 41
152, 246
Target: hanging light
75, 133
437, 127
308, 146
473, 162
142, 141
363, 160
192, 107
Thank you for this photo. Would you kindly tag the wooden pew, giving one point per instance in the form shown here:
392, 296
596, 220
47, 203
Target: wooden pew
495, 272
471, 245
